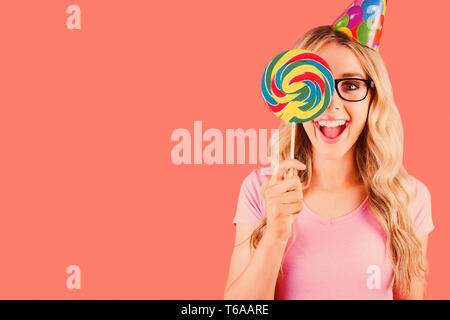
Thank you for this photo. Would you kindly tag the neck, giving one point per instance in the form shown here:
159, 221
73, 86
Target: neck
333, 174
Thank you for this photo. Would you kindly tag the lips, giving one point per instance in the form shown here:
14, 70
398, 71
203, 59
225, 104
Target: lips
331, 134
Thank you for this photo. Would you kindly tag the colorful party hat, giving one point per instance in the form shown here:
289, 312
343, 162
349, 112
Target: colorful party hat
363, 21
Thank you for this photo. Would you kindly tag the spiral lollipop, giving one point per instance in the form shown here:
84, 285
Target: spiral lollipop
297, 85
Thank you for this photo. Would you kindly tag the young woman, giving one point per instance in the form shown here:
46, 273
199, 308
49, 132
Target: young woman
351, 223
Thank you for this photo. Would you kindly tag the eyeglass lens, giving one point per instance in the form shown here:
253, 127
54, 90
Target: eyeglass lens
353, 90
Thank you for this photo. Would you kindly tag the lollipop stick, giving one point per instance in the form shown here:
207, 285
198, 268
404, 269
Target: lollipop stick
293, 128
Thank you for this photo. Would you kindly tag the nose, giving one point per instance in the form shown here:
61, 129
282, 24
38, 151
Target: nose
336, 102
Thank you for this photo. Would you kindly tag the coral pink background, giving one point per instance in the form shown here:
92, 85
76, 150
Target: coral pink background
86, 117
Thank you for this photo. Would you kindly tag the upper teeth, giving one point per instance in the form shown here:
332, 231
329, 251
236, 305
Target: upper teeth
332, 123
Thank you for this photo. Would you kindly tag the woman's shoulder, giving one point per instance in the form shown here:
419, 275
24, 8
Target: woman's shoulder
420, 190
253, 182
257, 176
250, 207
420, 208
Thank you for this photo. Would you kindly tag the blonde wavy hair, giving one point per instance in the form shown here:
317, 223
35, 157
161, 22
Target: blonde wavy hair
378, 157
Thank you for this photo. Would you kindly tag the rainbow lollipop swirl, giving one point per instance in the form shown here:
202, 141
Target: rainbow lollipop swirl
298, 85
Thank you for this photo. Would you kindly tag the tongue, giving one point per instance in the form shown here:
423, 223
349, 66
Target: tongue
332, 132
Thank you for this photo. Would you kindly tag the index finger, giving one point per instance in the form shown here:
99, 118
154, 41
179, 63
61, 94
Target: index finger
283, 167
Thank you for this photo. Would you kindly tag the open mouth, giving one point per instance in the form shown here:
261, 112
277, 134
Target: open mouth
331, 131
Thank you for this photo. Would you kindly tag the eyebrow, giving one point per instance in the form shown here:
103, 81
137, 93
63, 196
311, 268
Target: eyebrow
353, 74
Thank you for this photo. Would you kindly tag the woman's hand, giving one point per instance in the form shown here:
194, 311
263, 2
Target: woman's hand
283, 196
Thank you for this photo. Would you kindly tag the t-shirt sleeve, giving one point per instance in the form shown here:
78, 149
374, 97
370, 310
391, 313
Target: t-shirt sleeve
421, 210
249, 209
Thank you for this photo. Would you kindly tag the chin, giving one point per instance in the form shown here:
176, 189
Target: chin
331, 155
332, 152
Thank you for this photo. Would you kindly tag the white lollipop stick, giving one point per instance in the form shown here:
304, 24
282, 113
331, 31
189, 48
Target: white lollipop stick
293, 129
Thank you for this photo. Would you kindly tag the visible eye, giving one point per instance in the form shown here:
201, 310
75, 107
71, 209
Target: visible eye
350, 85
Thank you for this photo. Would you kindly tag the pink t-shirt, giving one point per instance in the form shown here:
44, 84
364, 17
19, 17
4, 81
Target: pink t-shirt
340, 258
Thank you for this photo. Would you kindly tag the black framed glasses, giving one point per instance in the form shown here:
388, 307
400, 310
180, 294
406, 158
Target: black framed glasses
353, 89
